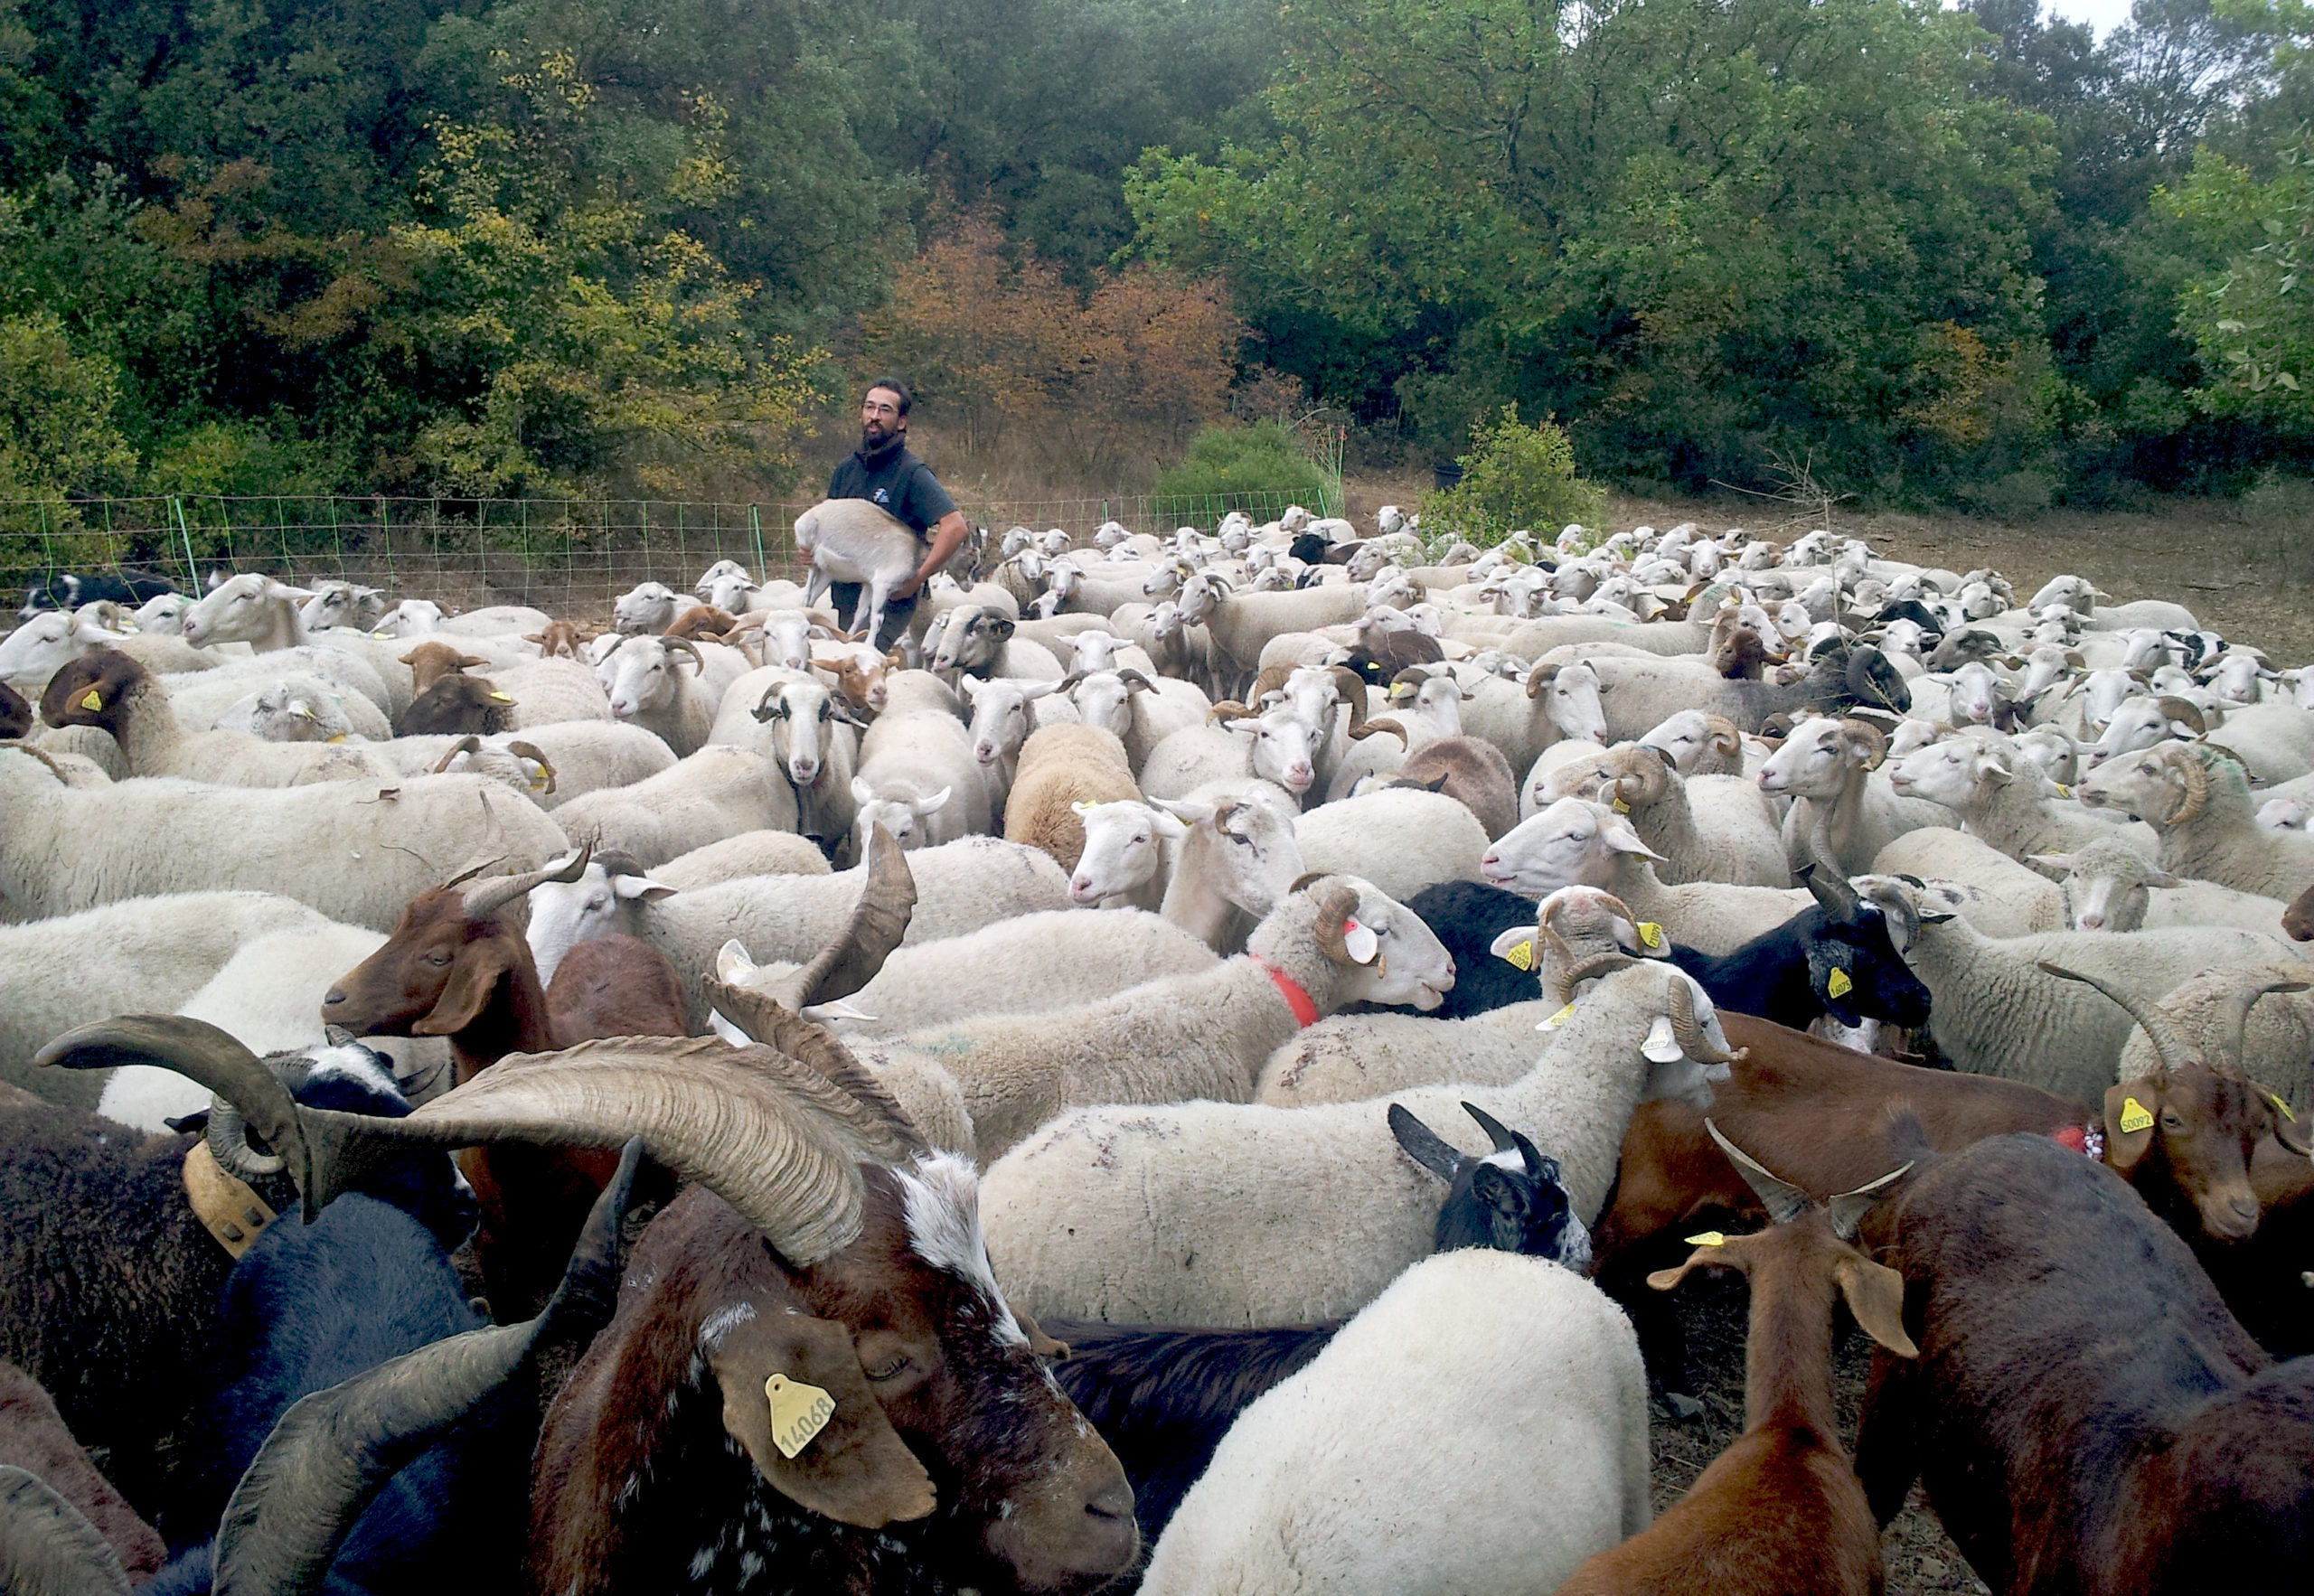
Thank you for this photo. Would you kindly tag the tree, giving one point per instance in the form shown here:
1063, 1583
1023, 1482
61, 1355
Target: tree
2252, 319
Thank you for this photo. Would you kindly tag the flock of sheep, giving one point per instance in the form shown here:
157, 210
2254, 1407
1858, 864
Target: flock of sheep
1198, 1067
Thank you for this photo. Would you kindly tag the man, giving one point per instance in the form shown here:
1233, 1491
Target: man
882, 471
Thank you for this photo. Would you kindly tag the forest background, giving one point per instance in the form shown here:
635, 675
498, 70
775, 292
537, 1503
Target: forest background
1975, 260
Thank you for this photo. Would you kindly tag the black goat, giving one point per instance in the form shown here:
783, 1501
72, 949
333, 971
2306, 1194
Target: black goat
114, 1291
1834, 959
1163, 1398
60, 590
1467, 917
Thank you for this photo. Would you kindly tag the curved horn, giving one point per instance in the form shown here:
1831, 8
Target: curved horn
2184, 710
1134, 679
1539, 678
484, 898
1339, 905
2233, 1020
879, 921
1271, 679
536, 755
1381, 723
214, 1058
464, 744
1783, 1201
697, 660
1726, 739
48, 1548
1496, 1132
2175, 1051
2196, 775
335, 1449
1846, 1209
1830, 889
1561, 982
1350, 688
1687, 1030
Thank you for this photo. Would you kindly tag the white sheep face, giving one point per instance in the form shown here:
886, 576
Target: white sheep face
1684, 738
1571, 703
2145, 784
1949, 772
650, 607
800, 719
412, 617
1001, 720
1406, 964
1284, 748
564, 913
640, 677
1813, 763
1125, 850
900, 812
41, 646
1574, 842
238, 609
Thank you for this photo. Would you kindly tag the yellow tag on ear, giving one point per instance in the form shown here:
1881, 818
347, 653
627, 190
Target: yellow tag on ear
1709, 1238
93, 701
2063, 791
2281, 1107
1559, 1020
338, 738
2135, 1117
1651, 935
798, 1413
1839, 984
1520, 957
500, 697
1619, 807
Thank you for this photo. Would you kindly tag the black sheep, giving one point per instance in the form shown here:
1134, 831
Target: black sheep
15, 712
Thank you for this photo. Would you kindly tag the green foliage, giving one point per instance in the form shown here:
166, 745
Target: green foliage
1231, 467
2254, 318
242, 459
1515, 478
57, 427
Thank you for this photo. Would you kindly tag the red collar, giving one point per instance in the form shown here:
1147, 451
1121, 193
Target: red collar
1305, 1012
2088, 1140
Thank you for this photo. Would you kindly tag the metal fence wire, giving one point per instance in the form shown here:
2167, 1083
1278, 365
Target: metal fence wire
569, 558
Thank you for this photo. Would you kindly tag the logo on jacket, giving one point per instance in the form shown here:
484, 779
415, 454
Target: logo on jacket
883, 495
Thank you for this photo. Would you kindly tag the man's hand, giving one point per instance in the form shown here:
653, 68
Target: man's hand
908, 590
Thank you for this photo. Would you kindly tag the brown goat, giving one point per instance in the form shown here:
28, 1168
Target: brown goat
861, 684
456, 967
1781, 1512
561, 640
32, 1437
1472, 771
430, 663
15, 712
615, 986
2086, 1415
2297, 919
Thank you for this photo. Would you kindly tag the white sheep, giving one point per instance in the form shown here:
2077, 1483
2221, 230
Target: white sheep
1998, 797
354, 851
200, 697
716, 793
550, 692
1006, 968
1240, 1213
1401, 839
1141, 710
960, 887
917, 777
1205, 1034
1122, 863
257, 610
2199, 804
584, 756
144, 954
648, 608
750, 853
1064, 768
1843, 812
2000, 896
808, 734
1277, 746
112, 692
647, 685
52, 640
1576, 842
2111, 887
1004, 711
1729, 836
1526, 1454
301, 709
856, 541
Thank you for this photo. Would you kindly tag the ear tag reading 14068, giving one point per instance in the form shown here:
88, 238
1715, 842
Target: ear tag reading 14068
798, 1413
2135, 1117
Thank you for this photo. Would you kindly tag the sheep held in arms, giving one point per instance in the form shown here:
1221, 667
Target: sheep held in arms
853, 540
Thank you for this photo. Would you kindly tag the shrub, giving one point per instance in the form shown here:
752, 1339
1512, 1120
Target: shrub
1515, 478
1261, 466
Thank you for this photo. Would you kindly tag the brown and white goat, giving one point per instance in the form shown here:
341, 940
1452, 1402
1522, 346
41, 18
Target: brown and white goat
561, 640
2086, 1415
1781, 1512
446, 702
456, 967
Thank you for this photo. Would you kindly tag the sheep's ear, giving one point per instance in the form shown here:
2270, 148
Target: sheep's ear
732, 964
934, 803
2054, 861
1662, 1045
641, 887
1713, 1254
1876, 1295
1169, 826
1516, 946
862, 792
1624, 840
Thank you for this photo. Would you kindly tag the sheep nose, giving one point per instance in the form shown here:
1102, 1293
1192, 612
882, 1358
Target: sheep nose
2092, 922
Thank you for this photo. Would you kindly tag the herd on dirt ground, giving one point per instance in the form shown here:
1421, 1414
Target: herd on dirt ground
1202, 1066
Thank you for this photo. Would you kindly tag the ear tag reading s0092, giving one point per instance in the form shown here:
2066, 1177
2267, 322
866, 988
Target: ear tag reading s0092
2135, 1117
798, 1413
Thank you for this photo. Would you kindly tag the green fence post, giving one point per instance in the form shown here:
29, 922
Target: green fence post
192, 571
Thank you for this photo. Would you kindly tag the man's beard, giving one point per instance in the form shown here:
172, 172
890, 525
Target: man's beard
872, 439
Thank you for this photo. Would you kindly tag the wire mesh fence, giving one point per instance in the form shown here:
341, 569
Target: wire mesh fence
569, 558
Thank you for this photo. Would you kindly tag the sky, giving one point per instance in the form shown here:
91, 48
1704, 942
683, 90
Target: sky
2104, 15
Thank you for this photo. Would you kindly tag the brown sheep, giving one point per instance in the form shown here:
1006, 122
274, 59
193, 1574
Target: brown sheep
1062, 766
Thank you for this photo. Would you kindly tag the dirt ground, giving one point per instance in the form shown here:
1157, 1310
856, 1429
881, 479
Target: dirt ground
2189, 551
1921, 1558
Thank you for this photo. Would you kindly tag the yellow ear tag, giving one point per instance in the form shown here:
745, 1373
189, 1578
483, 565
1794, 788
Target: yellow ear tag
1709, 1238
2135, 1117
1559, 1020
2063, 791
1520, 957
798, 1413
1619, 807
338, 738
500, 697
1651, 935
93, 701
1839, 984
2281, 1107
